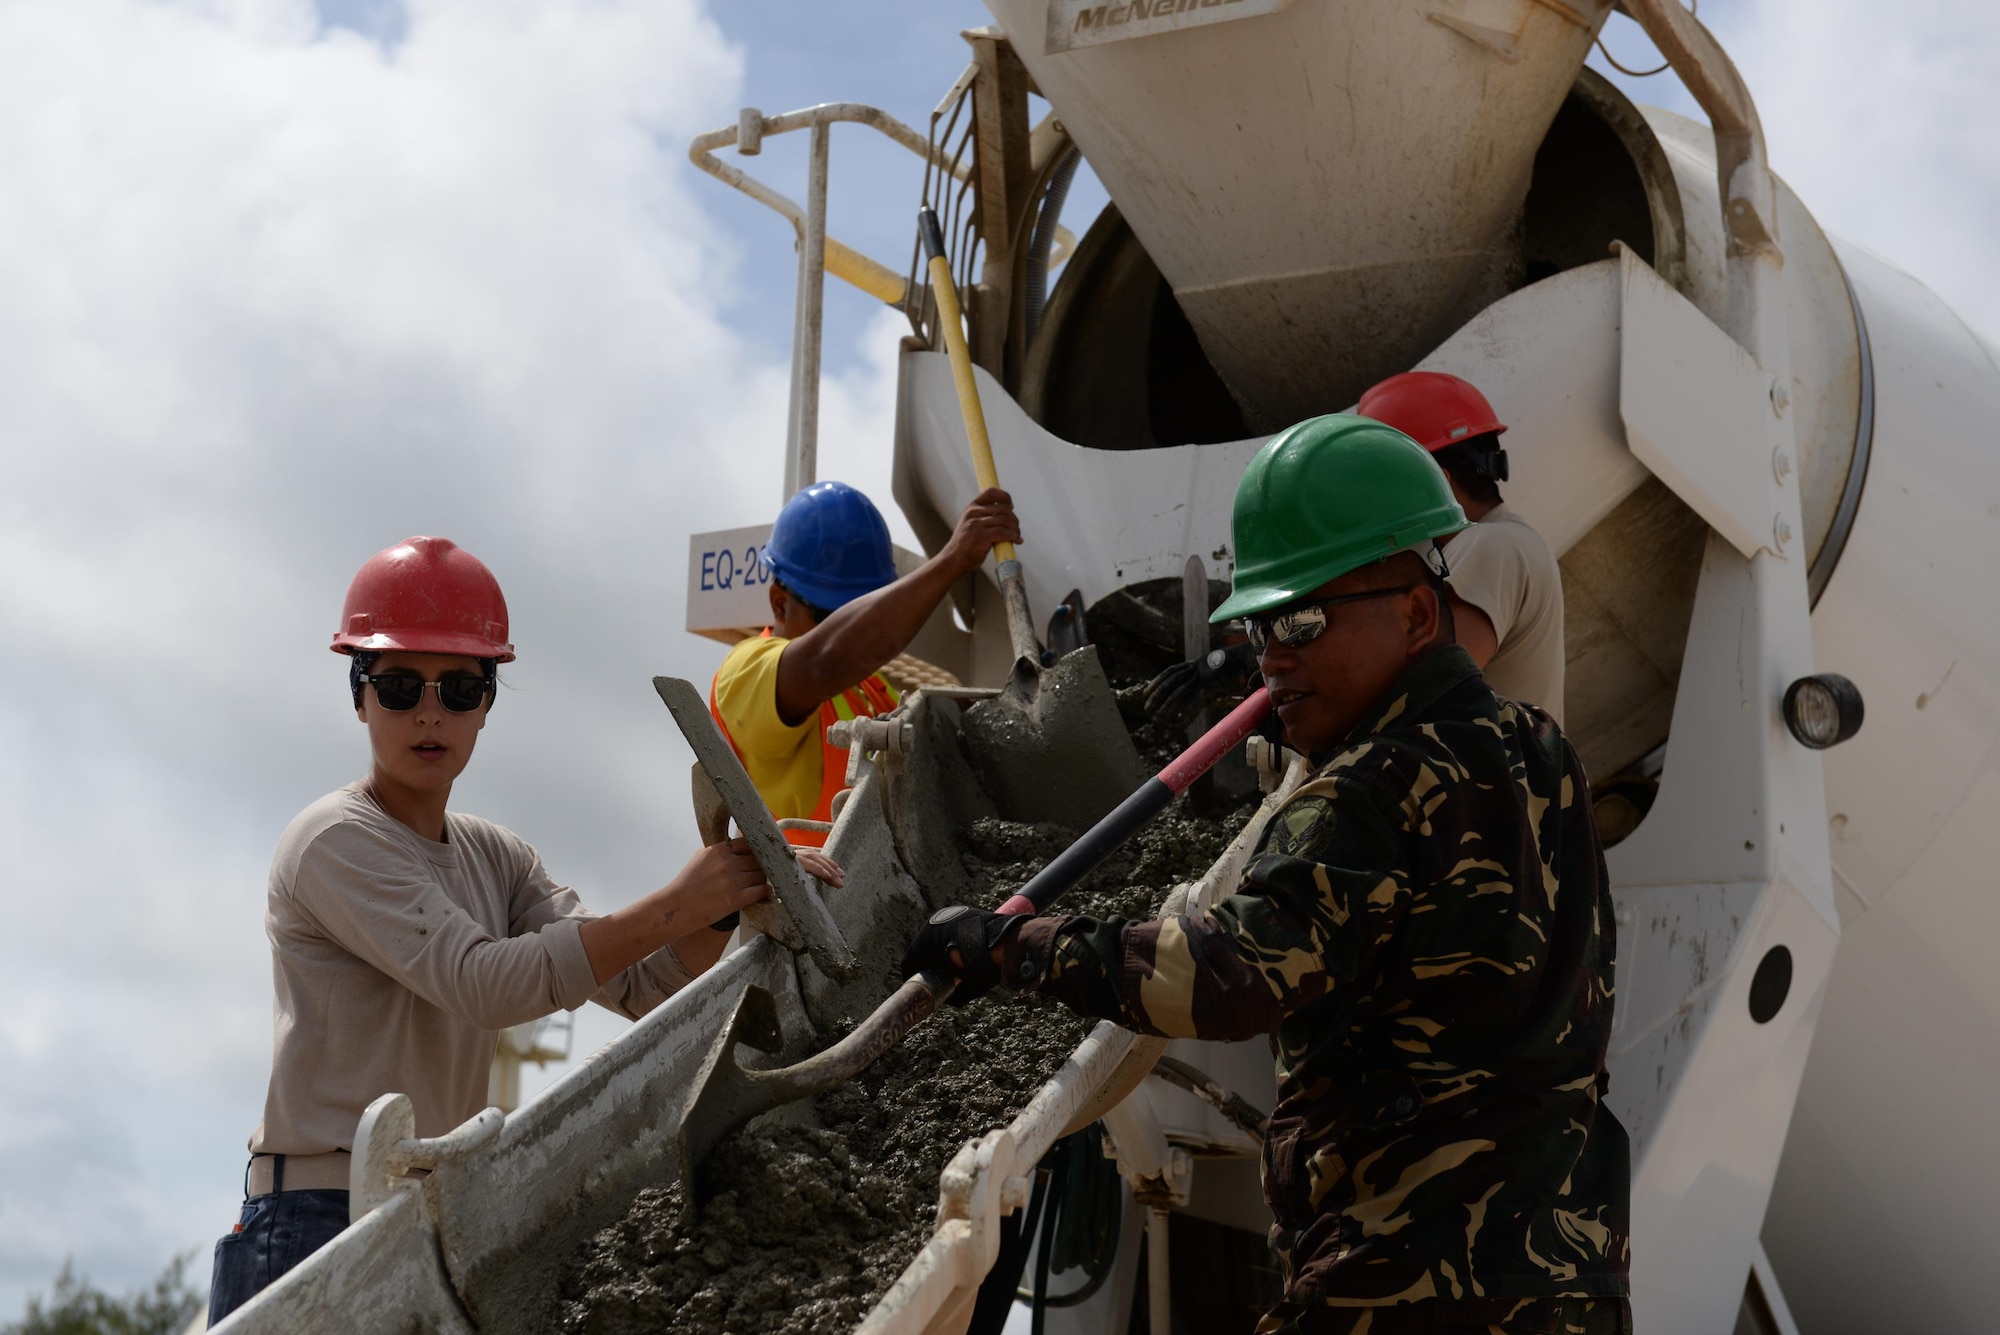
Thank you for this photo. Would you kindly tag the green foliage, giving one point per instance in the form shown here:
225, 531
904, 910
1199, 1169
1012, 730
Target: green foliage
76, 1307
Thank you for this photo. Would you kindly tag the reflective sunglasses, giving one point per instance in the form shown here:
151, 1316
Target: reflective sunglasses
1306, 622
401, 692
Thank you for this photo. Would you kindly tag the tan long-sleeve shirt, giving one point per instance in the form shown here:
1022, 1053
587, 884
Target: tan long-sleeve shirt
1502, 567
395, 961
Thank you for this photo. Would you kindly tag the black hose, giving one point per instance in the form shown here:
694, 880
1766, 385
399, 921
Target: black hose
996, 1292
1052, 1188
1044, 239
1082, 1219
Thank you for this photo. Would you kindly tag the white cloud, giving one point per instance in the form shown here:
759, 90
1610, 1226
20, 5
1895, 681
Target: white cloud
1880, 117
274, 296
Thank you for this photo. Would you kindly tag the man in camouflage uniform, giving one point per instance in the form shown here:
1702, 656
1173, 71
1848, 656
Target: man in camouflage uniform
1426, 929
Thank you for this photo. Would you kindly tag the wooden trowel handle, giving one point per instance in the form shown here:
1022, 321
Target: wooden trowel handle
711, 813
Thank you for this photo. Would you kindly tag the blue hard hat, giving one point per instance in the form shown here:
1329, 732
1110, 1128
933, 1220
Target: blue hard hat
830, 546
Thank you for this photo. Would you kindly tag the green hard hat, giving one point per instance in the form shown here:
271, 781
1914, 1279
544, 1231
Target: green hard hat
1327, 496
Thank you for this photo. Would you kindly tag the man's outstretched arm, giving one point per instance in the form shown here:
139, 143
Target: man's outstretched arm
856, 640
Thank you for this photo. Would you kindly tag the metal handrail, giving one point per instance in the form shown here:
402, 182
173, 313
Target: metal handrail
952, 148
842, 261
819, 254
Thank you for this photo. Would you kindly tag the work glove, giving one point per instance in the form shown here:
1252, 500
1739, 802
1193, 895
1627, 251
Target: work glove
1217, 677
973, 934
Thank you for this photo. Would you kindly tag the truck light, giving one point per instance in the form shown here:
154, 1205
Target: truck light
1823, 710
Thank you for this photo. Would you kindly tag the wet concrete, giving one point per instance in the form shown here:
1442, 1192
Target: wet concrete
817, 1208
1137, 629
1136, 632
811, 1223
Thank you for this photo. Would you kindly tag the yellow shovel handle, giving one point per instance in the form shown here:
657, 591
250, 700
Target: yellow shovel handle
968, 388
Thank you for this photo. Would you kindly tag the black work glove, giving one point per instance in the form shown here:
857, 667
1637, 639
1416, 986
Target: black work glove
1220, 675
973, 933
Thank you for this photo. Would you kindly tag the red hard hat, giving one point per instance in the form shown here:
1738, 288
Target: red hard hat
425, 596
1431, 408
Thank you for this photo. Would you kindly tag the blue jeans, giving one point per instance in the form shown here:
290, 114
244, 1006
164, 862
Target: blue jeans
277, 1232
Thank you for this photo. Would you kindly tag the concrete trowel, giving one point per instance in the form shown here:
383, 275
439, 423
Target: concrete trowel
794, 913
1051, 746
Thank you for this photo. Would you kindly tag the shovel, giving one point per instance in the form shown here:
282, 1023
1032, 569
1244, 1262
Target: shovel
1051, 746
727, 1094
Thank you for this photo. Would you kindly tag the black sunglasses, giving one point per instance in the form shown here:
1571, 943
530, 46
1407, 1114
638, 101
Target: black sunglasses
818, 613
400, 691
1302, 623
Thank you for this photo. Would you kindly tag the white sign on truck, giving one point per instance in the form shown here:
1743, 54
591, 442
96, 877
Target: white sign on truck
729, 586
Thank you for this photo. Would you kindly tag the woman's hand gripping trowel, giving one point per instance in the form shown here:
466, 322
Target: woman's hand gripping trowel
794, 913
727, 1094
1051, 746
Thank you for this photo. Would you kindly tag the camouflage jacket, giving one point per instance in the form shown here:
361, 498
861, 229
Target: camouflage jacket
1427, 930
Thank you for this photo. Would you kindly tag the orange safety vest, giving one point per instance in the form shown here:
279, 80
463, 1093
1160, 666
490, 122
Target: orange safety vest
872, 698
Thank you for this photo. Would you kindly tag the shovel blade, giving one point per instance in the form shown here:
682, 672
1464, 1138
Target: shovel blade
722, 1096
725, 1094
1052, 745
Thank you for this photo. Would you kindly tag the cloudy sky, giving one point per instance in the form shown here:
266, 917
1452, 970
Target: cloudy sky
282, 282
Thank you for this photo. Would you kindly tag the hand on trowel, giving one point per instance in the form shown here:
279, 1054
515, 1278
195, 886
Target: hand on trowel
1052, 745
793, 912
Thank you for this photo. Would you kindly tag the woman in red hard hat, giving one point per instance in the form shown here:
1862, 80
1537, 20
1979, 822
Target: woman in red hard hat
404, 936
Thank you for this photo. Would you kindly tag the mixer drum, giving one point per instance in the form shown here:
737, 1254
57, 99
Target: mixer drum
1323, 217
1117, 364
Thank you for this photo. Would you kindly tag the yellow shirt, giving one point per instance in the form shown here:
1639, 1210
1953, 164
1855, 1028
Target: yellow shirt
784, 760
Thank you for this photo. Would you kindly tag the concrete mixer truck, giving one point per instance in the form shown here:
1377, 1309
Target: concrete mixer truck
1756, 451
